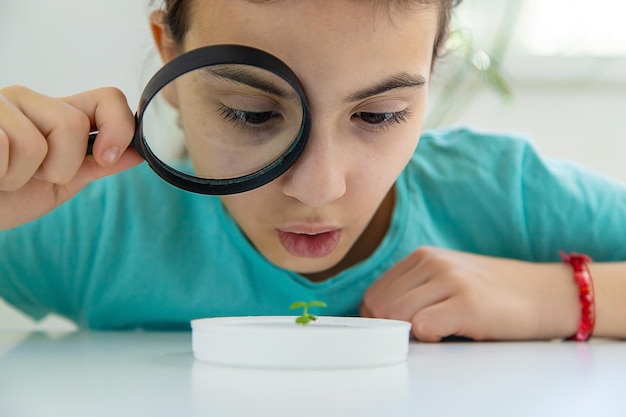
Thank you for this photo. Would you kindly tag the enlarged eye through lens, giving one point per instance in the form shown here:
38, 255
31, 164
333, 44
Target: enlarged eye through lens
249, 120
236, 120
244, 116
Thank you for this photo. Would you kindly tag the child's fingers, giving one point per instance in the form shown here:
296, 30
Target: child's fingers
411, 272
407, 305
49, 136
440, 320
66, 143
4, 153
43, 143
108, 112
402, 268
26, 147
364, 311
45, 135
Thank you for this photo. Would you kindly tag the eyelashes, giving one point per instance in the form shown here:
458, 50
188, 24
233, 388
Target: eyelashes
258, 122
380, 121
255, 122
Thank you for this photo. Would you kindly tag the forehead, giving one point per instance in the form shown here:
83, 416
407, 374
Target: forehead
322, 40
310, 19
300, 15
389, 5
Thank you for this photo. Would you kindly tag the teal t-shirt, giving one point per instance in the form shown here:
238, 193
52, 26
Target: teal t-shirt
131, 251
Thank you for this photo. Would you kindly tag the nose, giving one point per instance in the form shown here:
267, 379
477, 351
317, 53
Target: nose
318, 177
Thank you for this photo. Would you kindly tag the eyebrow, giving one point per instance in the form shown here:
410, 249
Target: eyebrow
398, 81
242, 75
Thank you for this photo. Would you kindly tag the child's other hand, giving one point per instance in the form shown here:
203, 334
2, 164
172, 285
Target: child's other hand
43, 142
443, 293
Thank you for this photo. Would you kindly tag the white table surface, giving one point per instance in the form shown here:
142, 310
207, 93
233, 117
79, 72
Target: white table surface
93, 374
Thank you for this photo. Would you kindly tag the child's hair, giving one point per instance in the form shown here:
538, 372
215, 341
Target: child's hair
176, 16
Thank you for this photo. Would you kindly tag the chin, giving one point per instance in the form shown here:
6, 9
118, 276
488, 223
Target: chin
306, 266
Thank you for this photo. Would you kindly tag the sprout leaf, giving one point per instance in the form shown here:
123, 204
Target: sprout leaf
297, 304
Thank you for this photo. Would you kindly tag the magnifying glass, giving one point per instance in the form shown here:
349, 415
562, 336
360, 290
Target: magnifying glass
243, 114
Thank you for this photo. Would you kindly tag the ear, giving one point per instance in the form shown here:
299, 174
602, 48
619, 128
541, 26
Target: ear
168, 50
167, 47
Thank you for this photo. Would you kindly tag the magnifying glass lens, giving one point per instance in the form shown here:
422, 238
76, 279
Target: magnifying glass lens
236, 120
242, 116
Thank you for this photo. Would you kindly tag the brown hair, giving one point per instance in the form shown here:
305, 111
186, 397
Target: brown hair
176, 16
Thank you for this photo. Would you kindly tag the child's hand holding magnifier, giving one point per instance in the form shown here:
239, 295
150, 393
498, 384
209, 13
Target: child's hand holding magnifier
243, 113
42, 148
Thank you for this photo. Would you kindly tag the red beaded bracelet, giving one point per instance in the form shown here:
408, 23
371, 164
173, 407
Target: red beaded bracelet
582, 276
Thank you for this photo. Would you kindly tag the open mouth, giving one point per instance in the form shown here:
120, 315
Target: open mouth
306, 245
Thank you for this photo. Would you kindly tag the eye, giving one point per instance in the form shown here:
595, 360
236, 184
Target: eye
250, 120
375, 118
247, 117
380, 121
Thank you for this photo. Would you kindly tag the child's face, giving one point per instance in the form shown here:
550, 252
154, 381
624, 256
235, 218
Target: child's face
331, 209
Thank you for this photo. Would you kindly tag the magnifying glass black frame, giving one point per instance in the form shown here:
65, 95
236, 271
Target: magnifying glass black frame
219, 55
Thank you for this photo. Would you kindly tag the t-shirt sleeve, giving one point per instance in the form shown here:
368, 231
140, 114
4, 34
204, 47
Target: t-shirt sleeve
572, 208
41, 259
495, 194
47, 265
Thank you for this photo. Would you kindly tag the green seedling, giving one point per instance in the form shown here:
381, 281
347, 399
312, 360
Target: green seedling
306, 317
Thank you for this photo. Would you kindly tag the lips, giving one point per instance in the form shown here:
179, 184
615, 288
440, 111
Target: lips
309, 244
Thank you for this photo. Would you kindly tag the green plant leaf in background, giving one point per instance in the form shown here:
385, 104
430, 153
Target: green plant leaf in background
466, 69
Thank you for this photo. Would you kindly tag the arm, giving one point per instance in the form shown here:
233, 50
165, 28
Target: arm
610, 288
529, 209
444, 292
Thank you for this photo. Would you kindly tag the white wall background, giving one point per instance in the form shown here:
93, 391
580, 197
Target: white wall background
61, 47
575, 110
572, 103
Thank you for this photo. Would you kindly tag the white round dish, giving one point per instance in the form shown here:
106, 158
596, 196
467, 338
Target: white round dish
278, 342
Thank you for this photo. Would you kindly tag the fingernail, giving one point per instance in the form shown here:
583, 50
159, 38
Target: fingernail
110, 155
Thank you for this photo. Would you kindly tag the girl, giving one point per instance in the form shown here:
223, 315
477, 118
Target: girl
455, 231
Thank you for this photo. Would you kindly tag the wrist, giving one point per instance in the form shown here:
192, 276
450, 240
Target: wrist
610, 288
586, 295
560, 309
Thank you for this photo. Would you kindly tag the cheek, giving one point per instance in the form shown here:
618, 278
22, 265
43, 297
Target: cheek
245, 212
371, 182
240, 207
384, 155
385, 161
251, 209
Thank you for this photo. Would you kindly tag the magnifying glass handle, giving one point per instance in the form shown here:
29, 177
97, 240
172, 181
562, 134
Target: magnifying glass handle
92, 140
